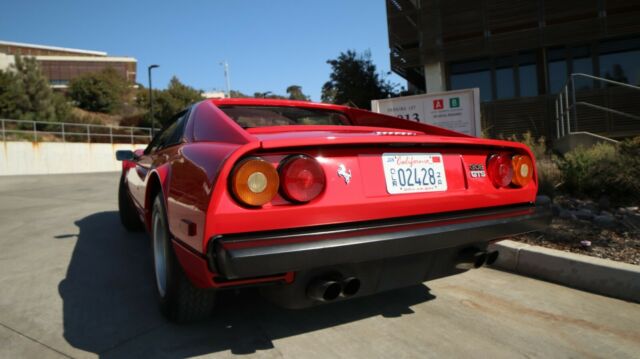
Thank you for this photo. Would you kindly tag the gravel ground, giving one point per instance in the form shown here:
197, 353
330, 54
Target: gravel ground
617, 241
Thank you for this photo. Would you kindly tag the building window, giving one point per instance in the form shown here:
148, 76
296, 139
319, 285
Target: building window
505, 79
501, 78
620, 60
472, 74
582, 62
558, 70
58, 82
504, 83
527, 75
621, 67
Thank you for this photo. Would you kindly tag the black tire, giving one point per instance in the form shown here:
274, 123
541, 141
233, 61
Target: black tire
128, 213
180, 301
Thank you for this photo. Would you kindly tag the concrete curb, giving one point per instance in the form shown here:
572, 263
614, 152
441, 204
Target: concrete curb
596, 275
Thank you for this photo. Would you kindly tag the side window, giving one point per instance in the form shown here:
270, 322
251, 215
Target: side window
169, 136
174, 135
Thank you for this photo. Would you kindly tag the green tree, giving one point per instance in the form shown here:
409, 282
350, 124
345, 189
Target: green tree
101, 91
354, 80
268, 94
25, 94
238, 94
183, 94
12, 99
167, 103
295, 93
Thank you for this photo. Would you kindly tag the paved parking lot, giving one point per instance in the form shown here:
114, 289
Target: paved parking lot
73, 283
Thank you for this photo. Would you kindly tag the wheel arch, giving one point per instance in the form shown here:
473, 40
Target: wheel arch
157, 183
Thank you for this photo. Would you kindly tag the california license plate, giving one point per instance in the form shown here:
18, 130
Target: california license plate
414, 172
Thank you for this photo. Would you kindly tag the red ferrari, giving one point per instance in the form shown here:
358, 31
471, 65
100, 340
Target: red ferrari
318, 203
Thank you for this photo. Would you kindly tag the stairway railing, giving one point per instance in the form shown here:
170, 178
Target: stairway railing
567, 105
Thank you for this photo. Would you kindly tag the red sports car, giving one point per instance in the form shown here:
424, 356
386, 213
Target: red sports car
318, 203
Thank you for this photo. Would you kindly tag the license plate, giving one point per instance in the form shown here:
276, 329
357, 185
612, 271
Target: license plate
414, 172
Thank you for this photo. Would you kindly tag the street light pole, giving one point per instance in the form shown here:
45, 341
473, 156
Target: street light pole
225, 65
153, 121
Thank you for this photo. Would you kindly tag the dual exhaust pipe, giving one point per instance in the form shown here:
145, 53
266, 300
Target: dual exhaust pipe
329, 289
333, 287
472, 258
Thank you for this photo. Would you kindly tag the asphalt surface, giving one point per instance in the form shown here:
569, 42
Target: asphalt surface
73, 283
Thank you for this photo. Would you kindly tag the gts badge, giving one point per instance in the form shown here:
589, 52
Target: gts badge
477, 171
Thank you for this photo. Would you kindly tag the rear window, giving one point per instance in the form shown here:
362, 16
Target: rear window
263, 116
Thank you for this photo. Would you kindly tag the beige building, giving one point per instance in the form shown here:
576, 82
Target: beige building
60, 65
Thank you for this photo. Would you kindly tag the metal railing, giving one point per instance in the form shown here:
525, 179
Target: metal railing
567, 105
40, 131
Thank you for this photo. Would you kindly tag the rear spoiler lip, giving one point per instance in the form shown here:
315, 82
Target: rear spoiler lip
422, 140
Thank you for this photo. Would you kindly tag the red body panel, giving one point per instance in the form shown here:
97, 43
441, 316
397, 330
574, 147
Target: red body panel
193, 176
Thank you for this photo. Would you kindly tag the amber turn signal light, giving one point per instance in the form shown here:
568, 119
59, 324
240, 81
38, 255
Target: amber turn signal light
254, 182
522, 170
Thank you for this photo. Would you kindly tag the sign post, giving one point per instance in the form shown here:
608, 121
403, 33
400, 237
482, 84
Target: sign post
457, 110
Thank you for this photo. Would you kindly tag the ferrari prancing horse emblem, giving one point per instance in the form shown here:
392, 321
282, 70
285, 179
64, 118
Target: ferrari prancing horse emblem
344, 173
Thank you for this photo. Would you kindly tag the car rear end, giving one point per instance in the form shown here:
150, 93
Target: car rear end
331, 212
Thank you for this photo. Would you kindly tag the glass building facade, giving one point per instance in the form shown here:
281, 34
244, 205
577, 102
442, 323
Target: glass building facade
520, 54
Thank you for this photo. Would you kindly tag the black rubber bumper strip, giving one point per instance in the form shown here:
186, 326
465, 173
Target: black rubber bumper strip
265, 253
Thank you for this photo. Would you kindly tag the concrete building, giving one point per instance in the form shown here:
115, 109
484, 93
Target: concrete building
60, 65
520, 53
214, 94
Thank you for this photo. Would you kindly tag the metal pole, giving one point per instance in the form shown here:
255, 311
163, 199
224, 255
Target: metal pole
225, 65
561, 104
4, 135
88, 134
151, 114
35, 132
131, 129
111, 134
568, 109
575, 105
63, 136
557, 120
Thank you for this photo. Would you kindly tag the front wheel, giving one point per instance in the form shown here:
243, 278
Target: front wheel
180, 301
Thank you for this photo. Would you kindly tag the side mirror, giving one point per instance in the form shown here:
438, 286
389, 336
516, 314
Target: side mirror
125, 155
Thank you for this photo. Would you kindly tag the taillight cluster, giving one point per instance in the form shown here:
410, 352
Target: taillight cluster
298, 178
506, 170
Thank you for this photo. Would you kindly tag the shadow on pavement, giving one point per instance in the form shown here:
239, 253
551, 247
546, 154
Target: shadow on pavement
110, 306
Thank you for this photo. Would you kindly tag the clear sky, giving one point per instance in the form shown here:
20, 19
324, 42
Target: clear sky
269, 44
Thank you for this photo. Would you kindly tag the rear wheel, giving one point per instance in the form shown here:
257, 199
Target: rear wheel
180, 301
128, 213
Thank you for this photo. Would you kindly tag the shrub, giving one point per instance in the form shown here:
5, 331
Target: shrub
604, 169
626, 175
586, 169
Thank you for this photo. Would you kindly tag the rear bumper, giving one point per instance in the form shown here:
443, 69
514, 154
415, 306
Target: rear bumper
268, 253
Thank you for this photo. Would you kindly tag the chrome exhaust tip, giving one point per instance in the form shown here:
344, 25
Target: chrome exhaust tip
492, 257
470, 258
350, 286
324, 290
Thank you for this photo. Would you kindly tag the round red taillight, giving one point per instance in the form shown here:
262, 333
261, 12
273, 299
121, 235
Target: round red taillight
500, 170
301, 178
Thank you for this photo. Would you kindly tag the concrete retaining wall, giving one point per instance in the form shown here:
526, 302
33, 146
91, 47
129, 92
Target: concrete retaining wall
30, 158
